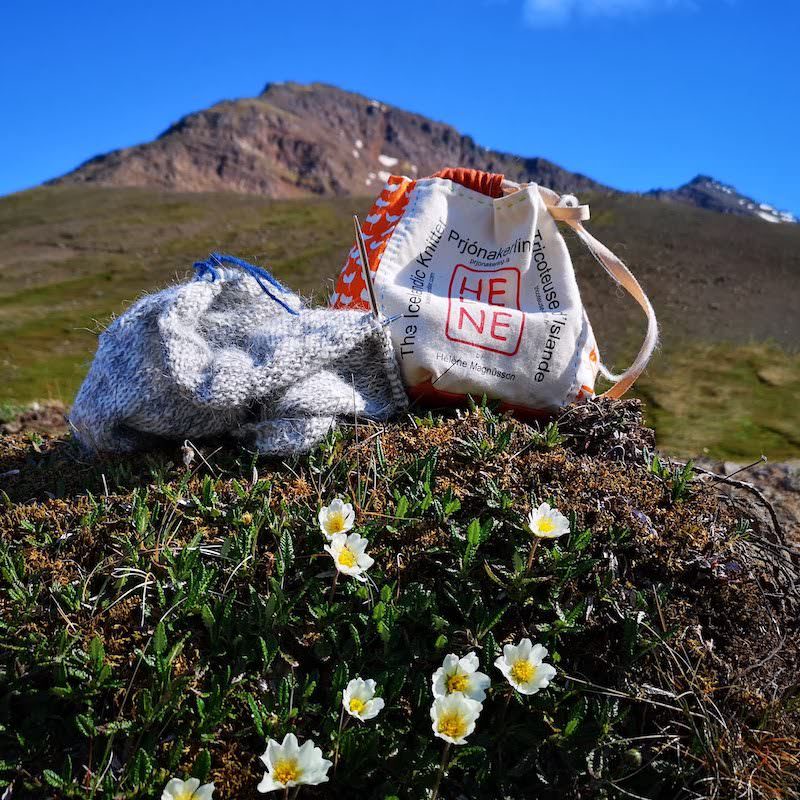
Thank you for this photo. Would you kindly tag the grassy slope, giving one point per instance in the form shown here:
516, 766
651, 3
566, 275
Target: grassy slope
726, 401
73, 256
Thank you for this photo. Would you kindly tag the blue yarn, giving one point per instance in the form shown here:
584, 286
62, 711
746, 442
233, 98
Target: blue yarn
209, 267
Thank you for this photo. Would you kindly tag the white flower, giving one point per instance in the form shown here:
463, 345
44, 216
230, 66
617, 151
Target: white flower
291, 765
460, 675
359, 699
176, 789
523, 668
348, 552
547, 523
454, 717
338, 517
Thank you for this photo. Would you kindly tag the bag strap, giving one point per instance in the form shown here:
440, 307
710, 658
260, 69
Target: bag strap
566, 209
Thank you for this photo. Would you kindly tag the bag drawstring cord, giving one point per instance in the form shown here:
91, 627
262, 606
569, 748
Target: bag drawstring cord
215, 260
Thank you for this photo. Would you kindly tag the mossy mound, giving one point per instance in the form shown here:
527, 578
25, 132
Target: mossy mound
163, 615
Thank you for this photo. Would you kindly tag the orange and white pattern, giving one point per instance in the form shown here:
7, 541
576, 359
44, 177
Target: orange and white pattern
378, 226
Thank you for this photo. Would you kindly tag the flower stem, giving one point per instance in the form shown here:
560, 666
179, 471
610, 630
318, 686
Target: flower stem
505, 708
333, 585
338, 738
442, 766
532, 554
502, 725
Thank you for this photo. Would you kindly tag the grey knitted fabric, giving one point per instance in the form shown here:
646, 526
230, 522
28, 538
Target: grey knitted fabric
215, 357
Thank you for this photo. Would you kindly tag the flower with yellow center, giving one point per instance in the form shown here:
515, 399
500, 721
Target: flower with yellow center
355, 706
524, 668
547, 523
460, 675
289, 765
338, 517
522, 671
454, 717
176, 789
456, 683
348, 552
286, 772
359, 701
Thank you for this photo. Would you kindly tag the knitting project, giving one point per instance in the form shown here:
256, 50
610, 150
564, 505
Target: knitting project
234, 352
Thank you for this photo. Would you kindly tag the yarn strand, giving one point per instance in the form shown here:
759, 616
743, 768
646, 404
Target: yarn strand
209, 267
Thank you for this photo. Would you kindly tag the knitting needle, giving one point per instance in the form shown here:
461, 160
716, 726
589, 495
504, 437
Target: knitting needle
362, 249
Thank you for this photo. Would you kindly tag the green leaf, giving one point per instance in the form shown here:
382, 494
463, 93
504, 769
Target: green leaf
492, 576
581, 541
202, 766
474, 532
175, 755
451, 506
97, 653
270, 608
141, 768
489, 621
473, 542
255, 713
175, 651
489, 651
159, 639
84, 723
340, 676
576, 717
268, 650
285, 554
208, 617
355, 637
401, 509
284, 693
469, 757
53, 778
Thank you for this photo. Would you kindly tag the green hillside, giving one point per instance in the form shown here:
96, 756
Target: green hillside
73, 257
725, 290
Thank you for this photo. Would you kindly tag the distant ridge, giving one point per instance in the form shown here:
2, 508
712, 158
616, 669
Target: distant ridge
296, 140
705, 192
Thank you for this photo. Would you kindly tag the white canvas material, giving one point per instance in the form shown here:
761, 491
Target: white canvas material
481, 293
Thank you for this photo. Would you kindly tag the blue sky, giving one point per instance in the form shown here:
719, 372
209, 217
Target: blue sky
635, 93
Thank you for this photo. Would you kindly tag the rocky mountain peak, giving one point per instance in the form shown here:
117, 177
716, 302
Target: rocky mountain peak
706, 192
300, 139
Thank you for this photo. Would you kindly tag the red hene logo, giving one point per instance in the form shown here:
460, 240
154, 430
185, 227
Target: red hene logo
483, 309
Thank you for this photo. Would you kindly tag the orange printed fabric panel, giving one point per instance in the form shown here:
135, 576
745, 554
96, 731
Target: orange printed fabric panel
584, 391
351, 290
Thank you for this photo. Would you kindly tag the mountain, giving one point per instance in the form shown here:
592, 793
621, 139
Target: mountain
297, 140
705, 192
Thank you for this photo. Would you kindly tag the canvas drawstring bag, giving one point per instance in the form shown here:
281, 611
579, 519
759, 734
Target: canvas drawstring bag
477, 285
